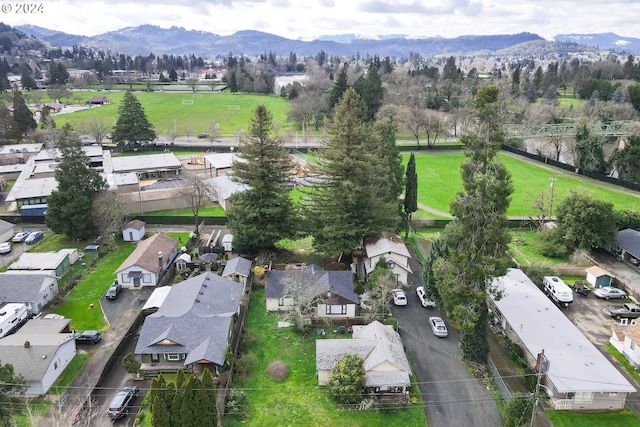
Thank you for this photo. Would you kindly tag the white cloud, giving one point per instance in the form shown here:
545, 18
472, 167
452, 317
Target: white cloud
311, 18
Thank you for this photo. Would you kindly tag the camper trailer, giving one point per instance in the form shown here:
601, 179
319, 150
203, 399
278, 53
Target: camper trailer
12, 317
558, 291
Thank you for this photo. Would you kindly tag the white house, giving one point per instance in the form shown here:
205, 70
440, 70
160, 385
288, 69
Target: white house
35, 290
133, 231
626, 339
578, 377
39, 354
387, 245
387, 369
149, 261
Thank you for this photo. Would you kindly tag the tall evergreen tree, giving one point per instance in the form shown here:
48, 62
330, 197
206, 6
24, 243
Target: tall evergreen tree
388, 149
264, 213
205, 401
371, 91
410, 192
23, 120
340, 85
26, 78
69, 209
352, 200
590, 155
477, 241
132, 129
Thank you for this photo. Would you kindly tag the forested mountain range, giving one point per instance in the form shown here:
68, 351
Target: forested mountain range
148, 38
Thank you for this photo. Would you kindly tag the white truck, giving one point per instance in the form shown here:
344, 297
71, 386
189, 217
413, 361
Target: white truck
558, 291
12, 317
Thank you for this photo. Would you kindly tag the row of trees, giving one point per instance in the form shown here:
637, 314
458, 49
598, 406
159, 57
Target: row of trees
190, 401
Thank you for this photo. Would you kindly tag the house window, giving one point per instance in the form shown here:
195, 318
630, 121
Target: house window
288, 301
583, 396
613, 394
336, 309
172, 357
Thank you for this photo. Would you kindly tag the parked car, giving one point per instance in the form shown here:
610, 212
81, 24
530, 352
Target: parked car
438, 327
113, 291
624, 311
34, 237
399, 298
422, 296
119, 406
88, 337
609, 292
203, 135
19, 237
5, 247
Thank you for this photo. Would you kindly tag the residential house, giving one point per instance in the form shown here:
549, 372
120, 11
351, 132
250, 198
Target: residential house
134, 231
598, 276
577, 376
387, 369
379, 245
54, 263
7, 230
237, 269
148, 263
626, 339
98, 100
34, 289
331, 291
628, 245
193, 325
40, 351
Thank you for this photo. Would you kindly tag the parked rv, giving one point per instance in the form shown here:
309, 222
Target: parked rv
12, 317
558, 291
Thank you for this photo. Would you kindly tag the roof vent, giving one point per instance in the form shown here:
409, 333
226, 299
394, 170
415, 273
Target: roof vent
197, 299
201, 292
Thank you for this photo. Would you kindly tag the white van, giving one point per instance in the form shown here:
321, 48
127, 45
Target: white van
558, 291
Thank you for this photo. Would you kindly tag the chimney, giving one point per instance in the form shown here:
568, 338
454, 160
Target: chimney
160, 260
27, 344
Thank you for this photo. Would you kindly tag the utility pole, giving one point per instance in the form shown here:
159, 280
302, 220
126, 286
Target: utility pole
536, 396
553, 186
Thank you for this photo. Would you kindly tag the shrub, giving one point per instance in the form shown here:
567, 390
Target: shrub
243, 363
553, 243
237, 404
278, 370
518, 410
536, 273
347, 380
580, 257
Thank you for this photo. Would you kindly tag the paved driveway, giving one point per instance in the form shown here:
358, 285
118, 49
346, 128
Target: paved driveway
451, 395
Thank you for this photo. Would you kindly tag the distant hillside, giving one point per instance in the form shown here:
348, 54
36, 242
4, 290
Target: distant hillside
606, 41
175, 40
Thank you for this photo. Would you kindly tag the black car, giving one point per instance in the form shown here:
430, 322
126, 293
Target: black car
119, 406
113, 291
88, 337
203, 135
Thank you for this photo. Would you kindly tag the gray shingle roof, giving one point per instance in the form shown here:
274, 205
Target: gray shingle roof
629, 240
197, 316
32, 362
376, 344
385, 242
21, 287
337, 282
239, 265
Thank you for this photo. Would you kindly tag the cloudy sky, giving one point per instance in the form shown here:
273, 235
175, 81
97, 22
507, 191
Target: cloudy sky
307, 19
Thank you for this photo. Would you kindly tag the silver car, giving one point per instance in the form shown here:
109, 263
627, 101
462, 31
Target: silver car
608, 292
438, 327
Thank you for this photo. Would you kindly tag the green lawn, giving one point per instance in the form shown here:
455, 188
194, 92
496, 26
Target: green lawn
163, 108
214, 210
525, 248
298, 401
624, 418
95, 281
439, 180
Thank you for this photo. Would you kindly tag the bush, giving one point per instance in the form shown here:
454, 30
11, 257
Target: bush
347, 379
518, 410
278, 370
237, 404
536, 273
243, 363
553, 243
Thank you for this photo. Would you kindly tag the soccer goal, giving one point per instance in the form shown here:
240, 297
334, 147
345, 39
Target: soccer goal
233, 107
187, 102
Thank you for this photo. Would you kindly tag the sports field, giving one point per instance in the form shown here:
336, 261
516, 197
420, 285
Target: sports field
439, 180
192, 113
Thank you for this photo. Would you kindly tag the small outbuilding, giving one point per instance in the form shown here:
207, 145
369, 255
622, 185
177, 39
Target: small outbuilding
134, 231
598, 276
227, 242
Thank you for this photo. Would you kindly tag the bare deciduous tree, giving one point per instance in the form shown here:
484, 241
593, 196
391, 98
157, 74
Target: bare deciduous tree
196, 192
214, 131
97, 127
109, 212
302, 295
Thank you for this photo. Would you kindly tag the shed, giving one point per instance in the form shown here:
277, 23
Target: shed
598, 276
73, 254
56, 263
6, 230
134, 231
227, 242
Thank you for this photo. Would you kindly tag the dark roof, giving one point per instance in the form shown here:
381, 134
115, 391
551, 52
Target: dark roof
629, 240
21, 287
196, 315
337, 282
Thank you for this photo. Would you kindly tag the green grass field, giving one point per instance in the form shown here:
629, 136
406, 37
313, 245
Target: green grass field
439, 180
298, 401
163, 108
